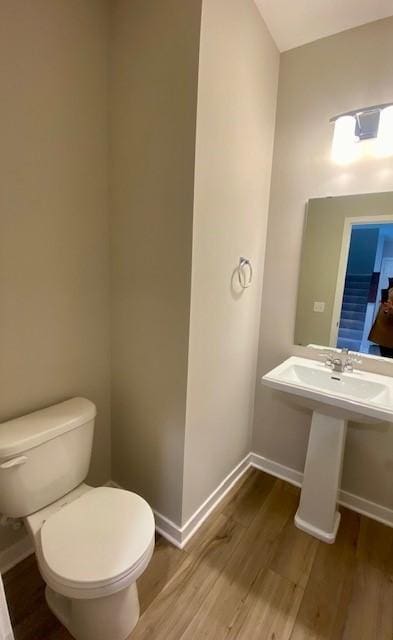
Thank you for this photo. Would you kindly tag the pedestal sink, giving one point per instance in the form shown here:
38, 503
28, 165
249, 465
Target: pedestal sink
334, 399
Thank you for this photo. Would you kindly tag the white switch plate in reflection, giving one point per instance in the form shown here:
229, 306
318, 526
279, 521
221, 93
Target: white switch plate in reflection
319, 307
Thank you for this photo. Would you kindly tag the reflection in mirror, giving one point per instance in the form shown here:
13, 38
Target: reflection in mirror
345, 296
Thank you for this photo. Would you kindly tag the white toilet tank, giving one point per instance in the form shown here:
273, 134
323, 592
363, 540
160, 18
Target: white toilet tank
44, 455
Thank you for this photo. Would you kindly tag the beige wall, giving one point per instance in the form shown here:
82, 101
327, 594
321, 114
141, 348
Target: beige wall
320, 258
54, 270
54, 226
317, 81
238, 77
54, 265
154, 85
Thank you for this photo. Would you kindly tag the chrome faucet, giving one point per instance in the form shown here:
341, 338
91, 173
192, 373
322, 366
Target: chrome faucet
340, 363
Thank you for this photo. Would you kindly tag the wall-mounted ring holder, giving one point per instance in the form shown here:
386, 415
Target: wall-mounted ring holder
244, 272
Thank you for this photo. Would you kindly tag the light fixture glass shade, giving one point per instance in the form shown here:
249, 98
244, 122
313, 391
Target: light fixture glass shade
344, 147
384, 143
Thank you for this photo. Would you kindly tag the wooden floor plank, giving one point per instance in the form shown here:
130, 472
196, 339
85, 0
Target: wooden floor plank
295, 554
249, 497
233, 491
254, 551
247, 574
328, 592
163, 565
181, 599
269, 610
30, 616
23, 578
370, 613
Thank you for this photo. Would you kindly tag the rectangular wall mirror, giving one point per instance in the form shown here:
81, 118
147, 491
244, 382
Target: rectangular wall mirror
345, 296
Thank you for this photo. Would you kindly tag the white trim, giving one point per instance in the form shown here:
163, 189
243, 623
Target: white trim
342, 268
15, 553
276, 469
168, 529
355, 503
340, 282
179, 536
202, 513
367, 508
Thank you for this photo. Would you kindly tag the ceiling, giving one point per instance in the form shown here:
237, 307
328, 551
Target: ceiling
296, 22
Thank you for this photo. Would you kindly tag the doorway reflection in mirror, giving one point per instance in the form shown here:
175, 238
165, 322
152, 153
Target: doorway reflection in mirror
345, 296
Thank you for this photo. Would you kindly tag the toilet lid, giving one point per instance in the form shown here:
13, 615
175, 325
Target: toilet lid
97, 538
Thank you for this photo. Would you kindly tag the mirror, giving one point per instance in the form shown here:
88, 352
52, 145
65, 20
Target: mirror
345, 295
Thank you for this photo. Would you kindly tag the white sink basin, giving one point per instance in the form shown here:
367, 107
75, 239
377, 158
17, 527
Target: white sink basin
358, 396
334, 399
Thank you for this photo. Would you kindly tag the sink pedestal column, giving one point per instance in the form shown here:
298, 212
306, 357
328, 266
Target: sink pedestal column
317, 513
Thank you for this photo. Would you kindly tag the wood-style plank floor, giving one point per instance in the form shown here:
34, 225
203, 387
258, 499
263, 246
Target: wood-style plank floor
248, 574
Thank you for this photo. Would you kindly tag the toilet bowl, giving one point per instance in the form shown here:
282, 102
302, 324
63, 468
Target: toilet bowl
91, 547
92, 544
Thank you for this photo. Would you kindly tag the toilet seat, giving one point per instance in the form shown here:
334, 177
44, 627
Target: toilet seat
97, 544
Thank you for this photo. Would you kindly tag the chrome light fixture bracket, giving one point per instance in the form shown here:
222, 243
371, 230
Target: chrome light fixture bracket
367, 120
367, 123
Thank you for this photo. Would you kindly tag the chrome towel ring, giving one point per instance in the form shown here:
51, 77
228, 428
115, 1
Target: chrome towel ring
244, 272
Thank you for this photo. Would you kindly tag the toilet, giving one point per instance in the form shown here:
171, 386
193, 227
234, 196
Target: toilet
92, 544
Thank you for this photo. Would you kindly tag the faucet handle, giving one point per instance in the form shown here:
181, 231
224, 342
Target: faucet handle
328, 357
350, 360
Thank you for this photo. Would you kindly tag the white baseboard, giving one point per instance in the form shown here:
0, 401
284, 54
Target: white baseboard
179, 536
366, 508
346, 499
168, 529
200, 515
276, 469
15, 553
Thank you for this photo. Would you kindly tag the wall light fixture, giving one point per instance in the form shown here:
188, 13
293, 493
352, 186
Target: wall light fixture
370, 123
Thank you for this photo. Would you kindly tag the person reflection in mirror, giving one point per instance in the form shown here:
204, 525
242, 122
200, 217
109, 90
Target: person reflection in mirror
382, 330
